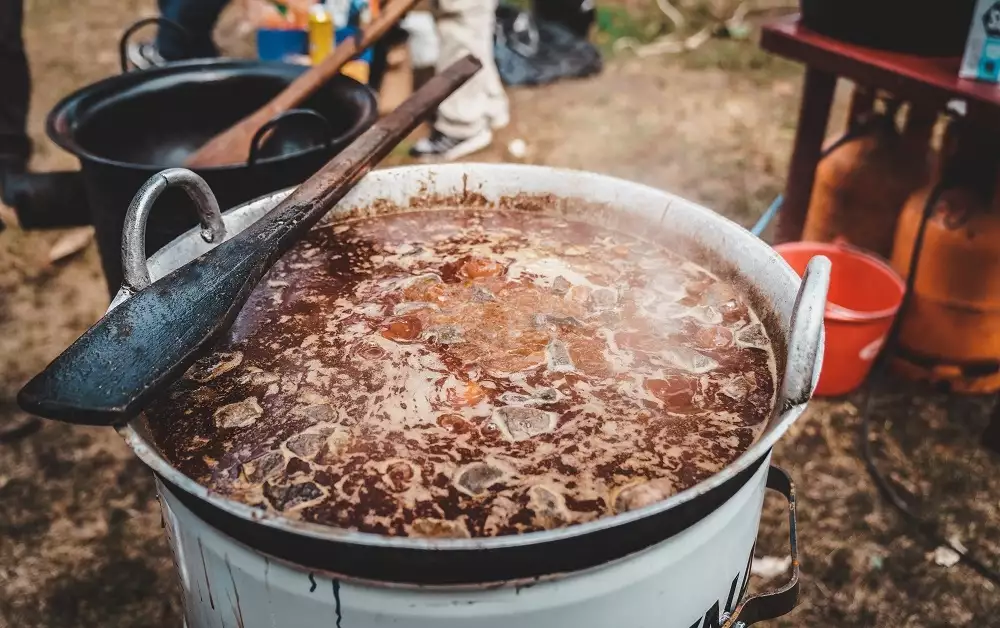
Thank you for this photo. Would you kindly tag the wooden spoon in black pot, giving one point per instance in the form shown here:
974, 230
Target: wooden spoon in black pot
142, 346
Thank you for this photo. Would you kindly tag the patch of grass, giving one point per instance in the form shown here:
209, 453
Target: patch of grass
523, 5
734, 55
615, 21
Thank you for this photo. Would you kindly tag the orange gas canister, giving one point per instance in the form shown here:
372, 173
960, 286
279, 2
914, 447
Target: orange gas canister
865, 177
950, 331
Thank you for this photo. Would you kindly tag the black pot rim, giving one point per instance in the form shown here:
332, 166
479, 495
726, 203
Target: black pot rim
61, 131
523, 564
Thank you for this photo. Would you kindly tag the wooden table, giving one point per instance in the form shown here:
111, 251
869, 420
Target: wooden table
911, 78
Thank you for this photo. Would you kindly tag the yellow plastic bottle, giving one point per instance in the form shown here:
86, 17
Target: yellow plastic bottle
320, 33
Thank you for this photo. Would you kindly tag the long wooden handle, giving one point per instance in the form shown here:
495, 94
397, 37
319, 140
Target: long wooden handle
290, 219
232, 145
142, 346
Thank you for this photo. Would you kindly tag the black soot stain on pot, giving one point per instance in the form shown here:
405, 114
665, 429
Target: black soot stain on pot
238, 610
204, 567
336, 601
713, 616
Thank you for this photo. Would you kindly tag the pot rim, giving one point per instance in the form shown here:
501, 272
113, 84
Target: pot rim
788, 415
63, 134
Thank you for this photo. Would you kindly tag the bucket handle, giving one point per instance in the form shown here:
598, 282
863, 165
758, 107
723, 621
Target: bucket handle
780, 601
273, 123
131, 30
806, 337
213, 230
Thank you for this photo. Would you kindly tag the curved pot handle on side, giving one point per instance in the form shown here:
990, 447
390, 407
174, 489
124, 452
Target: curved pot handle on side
262, 133
782, 600
805, 340
213, 230
131, 30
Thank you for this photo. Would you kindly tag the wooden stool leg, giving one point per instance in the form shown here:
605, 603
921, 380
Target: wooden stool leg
817, 95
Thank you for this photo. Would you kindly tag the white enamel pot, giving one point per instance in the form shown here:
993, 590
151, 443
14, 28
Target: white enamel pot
680, 563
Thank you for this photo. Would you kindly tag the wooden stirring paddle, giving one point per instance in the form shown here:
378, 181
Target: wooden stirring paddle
233, 144
109, 374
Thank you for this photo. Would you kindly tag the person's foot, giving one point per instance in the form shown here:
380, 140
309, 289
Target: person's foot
144, 55
441, 147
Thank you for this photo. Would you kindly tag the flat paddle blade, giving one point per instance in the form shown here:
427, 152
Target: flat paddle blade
109, 373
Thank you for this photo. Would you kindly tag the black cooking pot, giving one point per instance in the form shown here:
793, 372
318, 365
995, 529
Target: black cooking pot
933, 28
127, 128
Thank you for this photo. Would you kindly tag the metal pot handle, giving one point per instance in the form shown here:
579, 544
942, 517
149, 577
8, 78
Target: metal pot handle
134, 267
805, 339
131, 30
781, 601
273, 123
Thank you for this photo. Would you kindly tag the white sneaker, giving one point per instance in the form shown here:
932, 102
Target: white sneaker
144, 55
441, 147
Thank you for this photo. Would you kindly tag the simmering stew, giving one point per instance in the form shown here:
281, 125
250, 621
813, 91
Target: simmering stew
464, 372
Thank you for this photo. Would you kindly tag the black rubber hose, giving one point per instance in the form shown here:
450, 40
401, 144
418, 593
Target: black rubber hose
928, 528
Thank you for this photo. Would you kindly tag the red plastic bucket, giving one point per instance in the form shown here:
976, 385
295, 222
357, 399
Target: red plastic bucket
865, 294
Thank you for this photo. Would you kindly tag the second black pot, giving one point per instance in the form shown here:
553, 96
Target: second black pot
127, 128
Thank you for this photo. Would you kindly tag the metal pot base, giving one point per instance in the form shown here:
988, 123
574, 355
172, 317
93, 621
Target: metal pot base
696, 578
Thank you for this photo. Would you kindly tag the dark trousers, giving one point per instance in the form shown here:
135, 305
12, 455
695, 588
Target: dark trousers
15, 87
198, 17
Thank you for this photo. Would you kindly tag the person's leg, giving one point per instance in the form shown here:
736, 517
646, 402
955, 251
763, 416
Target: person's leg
464, 27
497, 105
464, 119
198, 17
15, 147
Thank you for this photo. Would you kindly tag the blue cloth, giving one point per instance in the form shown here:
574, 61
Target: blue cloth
342, 34
198, 18
278, 45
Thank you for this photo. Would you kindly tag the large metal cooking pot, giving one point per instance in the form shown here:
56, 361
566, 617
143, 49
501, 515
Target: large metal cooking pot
680, 563
127, 128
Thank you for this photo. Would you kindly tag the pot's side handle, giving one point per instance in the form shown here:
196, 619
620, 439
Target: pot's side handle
134, 234
805, 336
781, 601
273, 123
124, 40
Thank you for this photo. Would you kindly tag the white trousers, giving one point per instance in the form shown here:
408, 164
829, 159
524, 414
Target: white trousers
464, 27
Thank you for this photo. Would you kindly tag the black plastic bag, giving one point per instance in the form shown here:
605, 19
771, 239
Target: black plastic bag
536, 52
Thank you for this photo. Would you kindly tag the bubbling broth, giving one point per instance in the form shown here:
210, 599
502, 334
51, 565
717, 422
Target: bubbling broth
463, 372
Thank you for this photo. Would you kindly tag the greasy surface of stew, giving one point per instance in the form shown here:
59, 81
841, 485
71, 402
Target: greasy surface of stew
472, 373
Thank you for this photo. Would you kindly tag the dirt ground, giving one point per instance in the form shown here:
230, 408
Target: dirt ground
80, 537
